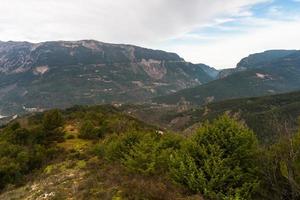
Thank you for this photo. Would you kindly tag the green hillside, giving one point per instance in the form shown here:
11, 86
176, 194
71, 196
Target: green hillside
268, 116
276, 77
98, 152
59, 155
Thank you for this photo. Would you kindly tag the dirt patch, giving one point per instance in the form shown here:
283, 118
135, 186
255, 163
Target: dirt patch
154, 68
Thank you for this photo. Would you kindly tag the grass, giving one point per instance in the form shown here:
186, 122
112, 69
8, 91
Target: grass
71, 129
75, 144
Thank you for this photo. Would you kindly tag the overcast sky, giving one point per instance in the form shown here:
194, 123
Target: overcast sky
215, 32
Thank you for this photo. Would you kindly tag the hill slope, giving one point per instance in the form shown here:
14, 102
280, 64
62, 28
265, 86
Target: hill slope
278, 76
61, 74
99, 153
60, 155
270, 116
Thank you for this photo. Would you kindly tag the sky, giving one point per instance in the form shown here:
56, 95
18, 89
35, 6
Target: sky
215, 32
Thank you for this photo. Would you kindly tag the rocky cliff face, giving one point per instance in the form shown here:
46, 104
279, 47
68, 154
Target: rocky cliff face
62, 73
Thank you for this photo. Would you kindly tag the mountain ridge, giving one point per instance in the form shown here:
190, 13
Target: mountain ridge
257, 60
276, 76
64, 73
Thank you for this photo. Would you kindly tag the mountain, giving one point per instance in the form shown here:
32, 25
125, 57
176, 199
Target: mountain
257, 60
277, 76
263, 59
44, 75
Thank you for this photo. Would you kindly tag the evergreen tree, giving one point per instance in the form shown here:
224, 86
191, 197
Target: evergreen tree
52, 120
219, 161
87, 130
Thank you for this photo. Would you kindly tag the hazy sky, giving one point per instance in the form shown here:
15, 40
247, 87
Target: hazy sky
215, 32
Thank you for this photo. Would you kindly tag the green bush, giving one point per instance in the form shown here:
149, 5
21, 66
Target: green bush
70, 137
280, 169
143, 157
16, 160
219, 161
151, 154
144, 153
89, 131
52, 120
24, 150
51, 127
115, 147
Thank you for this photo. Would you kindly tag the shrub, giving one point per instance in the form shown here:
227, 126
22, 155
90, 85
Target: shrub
24, 150
219, 161
144, 153
52, 120
151, 153
70, 137
143, 157
280, 165
115, 147
89, 131
21, 136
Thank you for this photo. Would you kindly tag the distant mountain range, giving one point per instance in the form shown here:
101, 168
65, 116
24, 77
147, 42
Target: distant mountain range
60, 74
266, 73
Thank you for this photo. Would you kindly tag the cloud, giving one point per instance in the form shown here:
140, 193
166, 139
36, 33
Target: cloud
127, 21
156, 24
226, 51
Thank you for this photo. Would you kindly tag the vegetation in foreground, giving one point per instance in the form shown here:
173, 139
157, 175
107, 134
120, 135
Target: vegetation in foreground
100, 153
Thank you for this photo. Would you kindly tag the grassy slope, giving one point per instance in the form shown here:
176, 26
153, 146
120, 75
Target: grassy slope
78, 174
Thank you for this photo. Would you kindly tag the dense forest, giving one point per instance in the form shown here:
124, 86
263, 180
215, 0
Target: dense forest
100, 153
